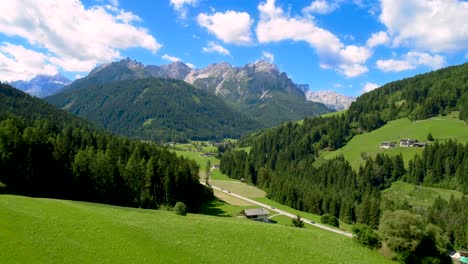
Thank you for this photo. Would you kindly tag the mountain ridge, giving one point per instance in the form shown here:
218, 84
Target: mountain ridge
42, 85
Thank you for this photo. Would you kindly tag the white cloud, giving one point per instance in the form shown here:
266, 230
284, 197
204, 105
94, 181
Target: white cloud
369, 87
170, 58
20, 63
275, 26
379, 38
180, 6
436, 25
466, 56
268, 56
411, 61
230, 27
352, 70
214, 47
321, 7
77, 38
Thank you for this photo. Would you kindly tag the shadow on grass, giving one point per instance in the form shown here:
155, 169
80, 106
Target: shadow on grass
214, 208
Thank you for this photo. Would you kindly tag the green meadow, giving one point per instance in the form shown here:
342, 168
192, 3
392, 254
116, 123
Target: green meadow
417, 196
34, 230
441, 127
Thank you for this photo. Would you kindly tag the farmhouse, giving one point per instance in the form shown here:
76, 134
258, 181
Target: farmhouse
215, 166
258, 214
407, 142
387, 145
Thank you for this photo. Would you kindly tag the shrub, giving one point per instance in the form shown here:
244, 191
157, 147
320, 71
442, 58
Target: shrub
366, 236
330, 220
180, 208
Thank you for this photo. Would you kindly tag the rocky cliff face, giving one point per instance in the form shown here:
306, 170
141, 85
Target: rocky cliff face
331, 99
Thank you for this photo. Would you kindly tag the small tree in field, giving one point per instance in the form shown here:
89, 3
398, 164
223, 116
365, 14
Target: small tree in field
297, 222
180, 208
430, 137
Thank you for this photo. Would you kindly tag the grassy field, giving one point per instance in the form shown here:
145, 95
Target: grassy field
58, 231
240, 188
417, 196
441, 128
198, 158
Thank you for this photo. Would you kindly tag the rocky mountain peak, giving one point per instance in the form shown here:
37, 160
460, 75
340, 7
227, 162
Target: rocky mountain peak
263, 66
331, 99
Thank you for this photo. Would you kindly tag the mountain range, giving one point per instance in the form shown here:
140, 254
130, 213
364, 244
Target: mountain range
220, 100
258, 90
42, 85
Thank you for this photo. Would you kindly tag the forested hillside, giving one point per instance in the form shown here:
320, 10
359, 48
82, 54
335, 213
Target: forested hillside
17, 103
44, 154
281, 160
155, 109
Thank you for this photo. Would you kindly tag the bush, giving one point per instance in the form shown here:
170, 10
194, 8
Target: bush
180, 208
366, 236
330, 220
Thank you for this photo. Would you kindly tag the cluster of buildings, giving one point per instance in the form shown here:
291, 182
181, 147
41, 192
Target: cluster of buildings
403, 143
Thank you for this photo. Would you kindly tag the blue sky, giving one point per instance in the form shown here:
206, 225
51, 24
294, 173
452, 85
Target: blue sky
350, 46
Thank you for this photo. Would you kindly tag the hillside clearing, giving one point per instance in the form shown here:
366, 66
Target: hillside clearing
441, 127
417, 196
58, 231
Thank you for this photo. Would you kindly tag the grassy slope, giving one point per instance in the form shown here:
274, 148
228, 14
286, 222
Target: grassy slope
441, 128
417, 196
57, 231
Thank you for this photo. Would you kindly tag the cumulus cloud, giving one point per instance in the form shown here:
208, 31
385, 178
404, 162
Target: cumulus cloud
20, 63
230, 26
369, 87
214, 47
268, 56
352, 70
436, 25
379, 38
321, 7
275, 26
75, 37
411, 61
180, 6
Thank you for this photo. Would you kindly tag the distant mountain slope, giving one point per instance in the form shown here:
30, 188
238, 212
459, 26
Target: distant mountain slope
331, 99
155, 109
42, 85
17, 103
258, 89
